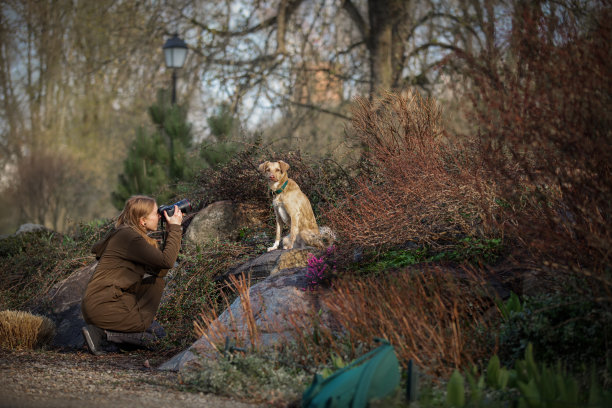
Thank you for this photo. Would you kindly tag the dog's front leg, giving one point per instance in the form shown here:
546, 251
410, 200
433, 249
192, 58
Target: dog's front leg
278, 232
294, 231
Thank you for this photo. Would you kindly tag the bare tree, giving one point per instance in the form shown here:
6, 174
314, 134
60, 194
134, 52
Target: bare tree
76, 77
47, 186
258, 52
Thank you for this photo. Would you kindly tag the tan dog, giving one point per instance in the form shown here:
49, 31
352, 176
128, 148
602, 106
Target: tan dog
292, 208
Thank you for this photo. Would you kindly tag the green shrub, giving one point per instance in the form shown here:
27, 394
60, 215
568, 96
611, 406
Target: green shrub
529, 384
567, 327
474, 250
252, 377
465, 250
31, 263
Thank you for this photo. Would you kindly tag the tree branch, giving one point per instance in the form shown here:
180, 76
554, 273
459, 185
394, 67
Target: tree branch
262, 59
318, 109
357, 18
286, 7
431, 15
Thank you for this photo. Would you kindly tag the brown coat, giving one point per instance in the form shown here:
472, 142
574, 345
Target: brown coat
117, 297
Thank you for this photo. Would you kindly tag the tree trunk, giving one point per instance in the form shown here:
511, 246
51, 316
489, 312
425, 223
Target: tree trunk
380, 46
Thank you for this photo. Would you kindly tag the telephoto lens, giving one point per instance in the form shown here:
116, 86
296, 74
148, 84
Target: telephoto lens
183, 205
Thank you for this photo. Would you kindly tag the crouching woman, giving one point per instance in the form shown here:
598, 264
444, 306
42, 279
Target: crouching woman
124, 293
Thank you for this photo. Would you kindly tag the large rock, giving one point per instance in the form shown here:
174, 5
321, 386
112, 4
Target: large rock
219, 220
25, 228
63, 305
270, 263
278, 304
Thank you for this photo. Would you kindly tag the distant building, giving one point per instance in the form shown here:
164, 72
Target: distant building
318, 84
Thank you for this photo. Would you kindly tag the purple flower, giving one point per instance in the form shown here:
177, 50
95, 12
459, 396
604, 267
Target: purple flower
316, 272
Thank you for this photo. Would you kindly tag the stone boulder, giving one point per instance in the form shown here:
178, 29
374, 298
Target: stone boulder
62, 304
25, 228
29, 228
278, 303
219, 220
270, 263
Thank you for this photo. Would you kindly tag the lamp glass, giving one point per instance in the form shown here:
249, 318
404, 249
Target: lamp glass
175, 56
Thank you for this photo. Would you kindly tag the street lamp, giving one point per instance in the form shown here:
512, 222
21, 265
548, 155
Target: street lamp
175, 51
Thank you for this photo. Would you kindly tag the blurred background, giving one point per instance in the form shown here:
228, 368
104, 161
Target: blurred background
88, 116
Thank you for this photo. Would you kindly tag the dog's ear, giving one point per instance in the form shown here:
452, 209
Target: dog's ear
262, 167
284, 166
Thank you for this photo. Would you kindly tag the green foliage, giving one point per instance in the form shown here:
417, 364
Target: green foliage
455, 394
497, 376
510, 307
224, 128
468, 249
145, 168
336, 363
472, 249
393, 259
31, 263
529, 384
156, 159
567, 326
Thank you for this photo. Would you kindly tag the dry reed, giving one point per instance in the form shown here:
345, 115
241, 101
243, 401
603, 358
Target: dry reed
431, 316
242, 286
209, 326
24, 331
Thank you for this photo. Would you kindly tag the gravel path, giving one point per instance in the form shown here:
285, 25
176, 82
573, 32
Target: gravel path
37, 379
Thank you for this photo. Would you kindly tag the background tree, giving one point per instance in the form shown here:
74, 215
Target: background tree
50, 187
280, 61
370, 46
224, 128
75, 79
158, 158
77, 76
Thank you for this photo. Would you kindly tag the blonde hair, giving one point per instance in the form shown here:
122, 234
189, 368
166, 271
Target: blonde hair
135, 208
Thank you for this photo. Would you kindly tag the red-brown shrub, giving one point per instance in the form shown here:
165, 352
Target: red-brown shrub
415, 190
544, 117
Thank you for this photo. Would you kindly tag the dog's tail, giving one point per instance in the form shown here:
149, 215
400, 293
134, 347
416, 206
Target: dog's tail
324, 238
327, 236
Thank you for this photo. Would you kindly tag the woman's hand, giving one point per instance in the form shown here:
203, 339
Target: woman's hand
177, 217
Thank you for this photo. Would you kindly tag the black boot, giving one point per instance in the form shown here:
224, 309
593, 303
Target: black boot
157, 330
139, 339
94, 336
96, 340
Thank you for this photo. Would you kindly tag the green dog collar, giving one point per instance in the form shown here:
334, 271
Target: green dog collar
280, 190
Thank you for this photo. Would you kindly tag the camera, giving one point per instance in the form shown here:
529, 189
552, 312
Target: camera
183, 205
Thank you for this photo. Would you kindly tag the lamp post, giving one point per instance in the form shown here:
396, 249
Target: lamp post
175, 51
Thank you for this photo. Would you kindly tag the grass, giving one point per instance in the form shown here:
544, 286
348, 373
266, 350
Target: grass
471, 250
192, 289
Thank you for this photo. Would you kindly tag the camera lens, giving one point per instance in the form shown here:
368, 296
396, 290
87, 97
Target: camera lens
183, 205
